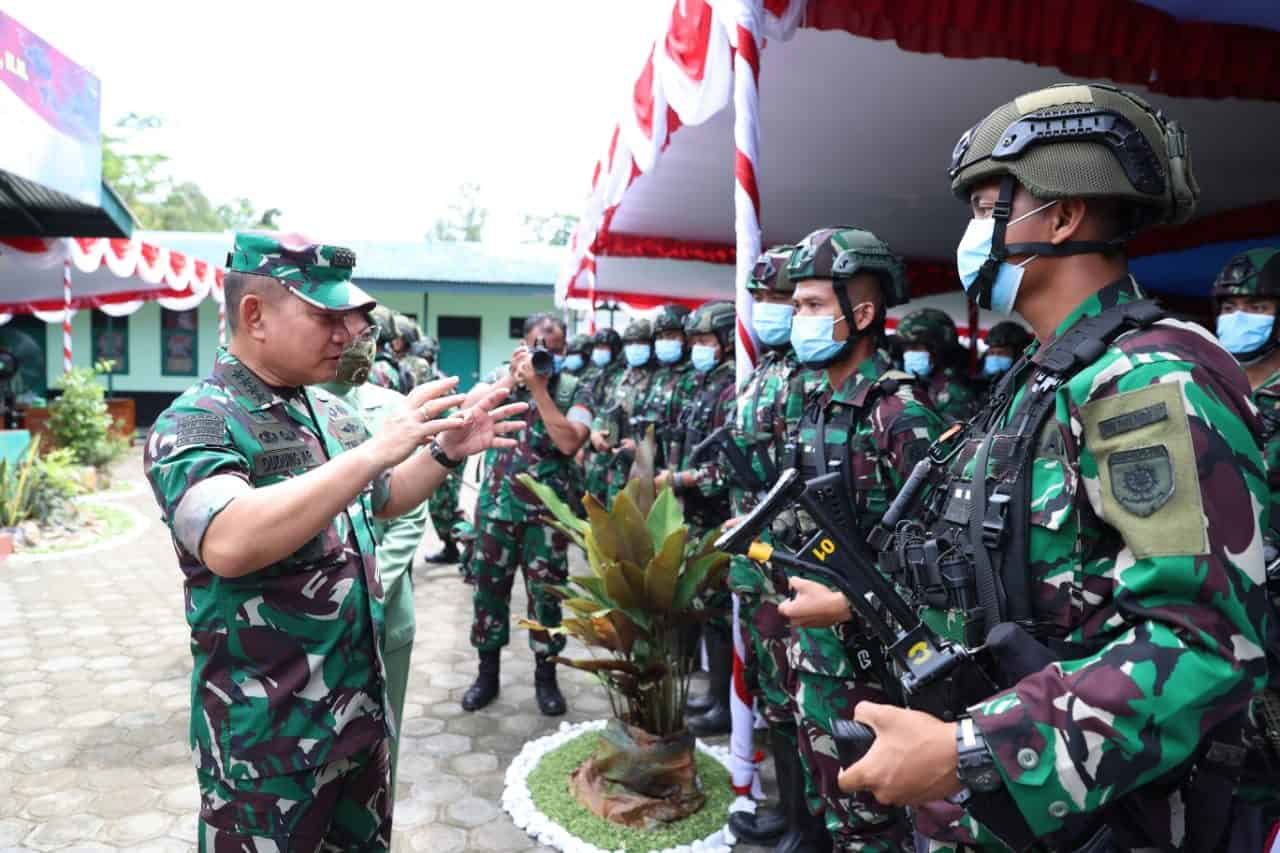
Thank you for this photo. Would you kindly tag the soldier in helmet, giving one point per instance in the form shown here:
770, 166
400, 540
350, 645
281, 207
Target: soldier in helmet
576, 354
931, 350
673, 382
849, 411
414, 369
386, 361
444, 505
1005, 342
606, 369
269, 486
1110, 498
623, 421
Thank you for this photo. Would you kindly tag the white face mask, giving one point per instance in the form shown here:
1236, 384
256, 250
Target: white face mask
975, 248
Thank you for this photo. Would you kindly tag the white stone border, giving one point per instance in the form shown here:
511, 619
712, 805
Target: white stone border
140, 525
517, 800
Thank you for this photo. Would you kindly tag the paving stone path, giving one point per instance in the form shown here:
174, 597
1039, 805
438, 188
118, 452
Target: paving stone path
94, 675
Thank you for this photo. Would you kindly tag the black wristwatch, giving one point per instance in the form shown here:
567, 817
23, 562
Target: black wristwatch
438, 454
975, 765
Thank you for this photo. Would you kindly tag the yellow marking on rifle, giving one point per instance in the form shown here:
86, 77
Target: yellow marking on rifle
761, 552
824, 549
919, 653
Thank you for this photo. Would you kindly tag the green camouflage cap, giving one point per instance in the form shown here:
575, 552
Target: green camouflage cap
1252, 273
931, 327
317, 274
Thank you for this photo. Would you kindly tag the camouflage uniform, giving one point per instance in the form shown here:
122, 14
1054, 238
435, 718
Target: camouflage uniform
601, 385
827, 678
952, 396
444, 504
290, 720
670, 393
509, 532
1147, 499
386, 372
624, 412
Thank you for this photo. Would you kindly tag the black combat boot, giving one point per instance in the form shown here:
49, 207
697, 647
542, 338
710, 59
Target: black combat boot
767, 823
545, 689
716, 720
805, 833
485, 688
447, 554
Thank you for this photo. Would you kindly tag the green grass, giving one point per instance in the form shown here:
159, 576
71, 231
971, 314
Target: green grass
549, 787
116, 521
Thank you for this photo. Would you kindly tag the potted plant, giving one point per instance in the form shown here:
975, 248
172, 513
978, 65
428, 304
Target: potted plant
639, 608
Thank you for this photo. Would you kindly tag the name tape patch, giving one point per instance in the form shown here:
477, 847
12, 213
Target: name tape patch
1137, 419
200, 429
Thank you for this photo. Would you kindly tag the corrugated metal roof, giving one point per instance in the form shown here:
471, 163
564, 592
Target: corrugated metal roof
464, 263
28, 209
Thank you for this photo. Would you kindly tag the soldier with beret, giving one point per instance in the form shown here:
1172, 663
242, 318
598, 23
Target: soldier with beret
270, 489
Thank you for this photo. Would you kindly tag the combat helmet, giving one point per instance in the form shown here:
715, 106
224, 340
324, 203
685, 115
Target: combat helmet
385, 322
770, 271
406, 327
1009, 334
609, 338
716, 318
1252, 273
930, 327
638, 330
840, 254
671, 318
580, 344
1075, 141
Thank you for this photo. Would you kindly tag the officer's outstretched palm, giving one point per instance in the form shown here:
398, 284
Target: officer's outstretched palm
482, 425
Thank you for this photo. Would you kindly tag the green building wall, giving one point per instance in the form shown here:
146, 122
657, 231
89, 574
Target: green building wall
493, 305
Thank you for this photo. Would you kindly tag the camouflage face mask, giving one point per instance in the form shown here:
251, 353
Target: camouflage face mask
356, 360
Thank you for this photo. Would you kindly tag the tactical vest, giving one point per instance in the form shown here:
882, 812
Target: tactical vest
971, 551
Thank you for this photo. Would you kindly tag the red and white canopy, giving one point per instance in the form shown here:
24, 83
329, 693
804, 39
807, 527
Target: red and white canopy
845, 112
114, 276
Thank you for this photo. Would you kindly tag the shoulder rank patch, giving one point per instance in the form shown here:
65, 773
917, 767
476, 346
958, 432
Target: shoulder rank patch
199, 429
1142, 478
1128, 422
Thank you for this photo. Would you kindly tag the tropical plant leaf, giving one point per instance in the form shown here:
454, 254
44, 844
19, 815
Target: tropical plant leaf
717, 563
574, 536
664, 516
606, 665
551, 501
689, 584
618, 587
626, 630
583, 606
593, 585
707, 543
663, 571
635, 546
635, 579
535, 625
640, 479
606, 536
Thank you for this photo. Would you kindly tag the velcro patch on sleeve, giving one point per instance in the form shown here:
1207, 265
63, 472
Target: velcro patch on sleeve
194, 430
1150, 483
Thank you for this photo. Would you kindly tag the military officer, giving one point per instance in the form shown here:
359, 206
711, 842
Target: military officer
576, 353
510, 534
414, 369
1119, 498
848, 411
386, 363
757, 431
672, 386
606, 369
622, 422
1005, 342
930, 348
269, 489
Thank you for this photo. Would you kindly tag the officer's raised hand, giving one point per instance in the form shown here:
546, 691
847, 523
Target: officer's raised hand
814, 605
404, 433
912, 761
483, 425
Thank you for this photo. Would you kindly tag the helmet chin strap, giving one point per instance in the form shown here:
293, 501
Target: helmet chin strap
1000, 250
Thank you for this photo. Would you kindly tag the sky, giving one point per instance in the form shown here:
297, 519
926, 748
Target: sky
360, 119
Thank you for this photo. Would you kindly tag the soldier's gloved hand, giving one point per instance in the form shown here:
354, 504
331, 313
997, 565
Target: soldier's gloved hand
814, 605
599, 443
406, 432
483, 425
912, 761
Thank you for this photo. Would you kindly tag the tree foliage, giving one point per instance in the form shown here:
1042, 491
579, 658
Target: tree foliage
160, 202
464, 222
554, 229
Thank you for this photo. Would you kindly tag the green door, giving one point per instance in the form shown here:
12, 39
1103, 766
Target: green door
460, 349
24, 336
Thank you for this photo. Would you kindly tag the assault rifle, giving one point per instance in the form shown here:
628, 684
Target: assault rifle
934, 674
744, 475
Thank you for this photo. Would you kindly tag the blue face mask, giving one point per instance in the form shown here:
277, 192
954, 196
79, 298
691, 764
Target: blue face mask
705, 357
772, 322
557, 362
601, 357
573, 362
668, 351
812, 338
917, 361
972, 253
994, 365
1242, 333
637, 354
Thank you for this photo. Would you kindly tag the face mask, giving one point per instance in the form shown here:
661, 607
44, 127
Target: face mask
355, 361
601, 357
772, 322
705, 357
573, 362
917, 361
994, 365
637, 354
972, 253
1242, 332
557, 362
668, 351
812, 338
